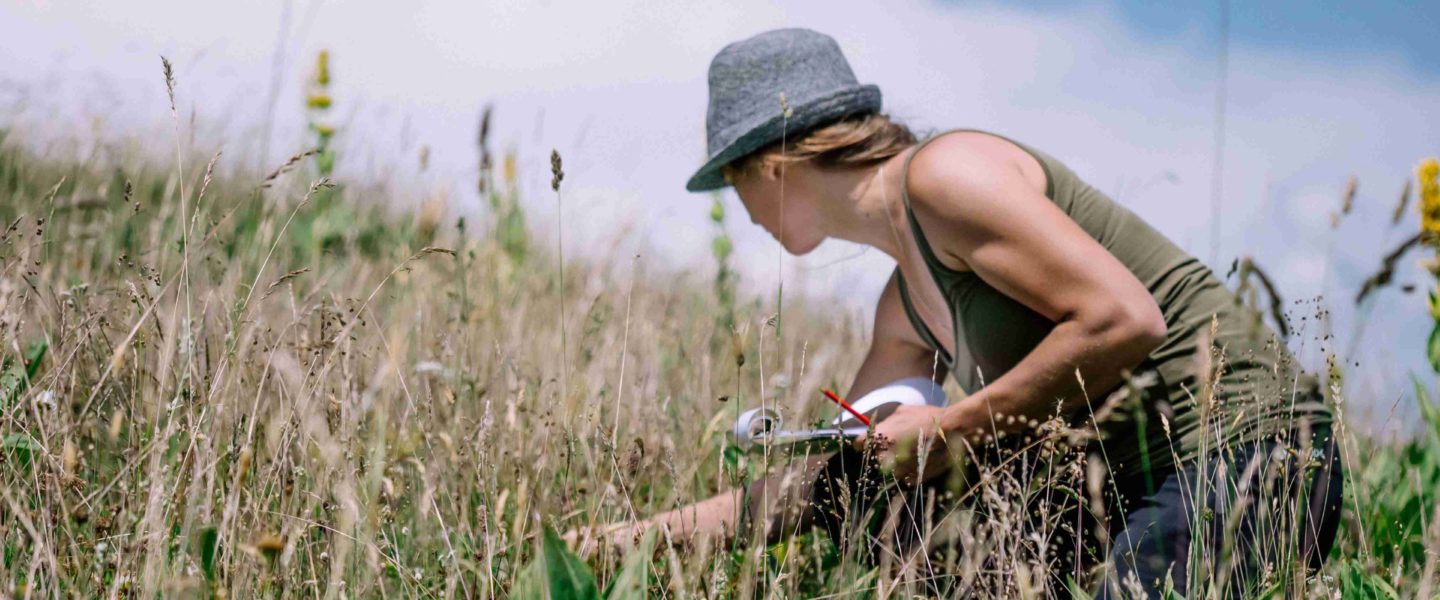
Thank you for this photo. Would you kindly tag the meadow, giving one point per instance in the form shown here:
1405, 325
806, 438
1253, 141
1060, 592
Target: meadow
275, 384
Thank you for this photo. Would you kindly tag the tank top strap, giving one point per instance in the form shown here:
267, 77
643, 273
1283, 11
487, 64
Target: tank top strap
921, 328
950, 281
928, 253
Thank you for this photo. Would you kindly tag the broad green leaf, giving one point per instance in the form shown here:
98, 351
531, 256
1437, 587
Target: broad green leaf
634, 577
556, 574
567, 574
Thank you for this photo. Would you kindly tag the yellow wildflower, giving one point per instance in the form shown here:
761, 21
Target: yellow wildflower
1427, 173
322, 68
510, 169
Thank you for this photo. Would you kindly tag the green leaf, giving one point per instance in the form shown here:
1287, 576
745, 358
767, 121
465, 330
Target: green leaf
568, 575
779, 551
556, 574
1432, 348
1358, 583
325, 162
634, 577
16, 378
21, 445
12, 382
34, 353
1429, 409
733, 461
511, 232
209, 541
1075, 590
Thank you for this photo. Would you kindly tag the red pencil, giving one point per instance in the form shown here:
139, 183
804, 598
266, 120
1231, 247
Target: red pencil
846, 405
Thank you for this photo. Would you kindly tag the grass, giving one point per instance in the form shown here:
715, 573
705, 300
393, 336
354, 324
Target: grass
262, 385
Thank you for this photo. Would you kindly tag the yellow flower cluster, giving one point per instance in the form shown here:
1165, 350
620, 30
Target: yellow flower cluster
322, 68
1428, 174
317, 106
318, 97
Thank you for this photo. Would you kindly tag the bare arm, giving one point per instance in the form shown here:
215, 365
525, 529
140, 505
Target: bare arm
1017, 240
896, 351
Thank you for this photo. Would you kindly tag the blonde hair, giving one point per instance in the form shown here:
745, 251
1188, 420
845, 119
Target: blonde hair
852, 142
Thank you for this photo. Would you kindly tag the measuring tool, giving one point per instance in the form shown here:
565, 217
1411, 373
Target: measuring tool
759, 429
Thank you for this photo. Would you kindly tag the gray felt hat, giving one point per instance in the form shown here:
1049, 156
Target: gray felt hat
747, 79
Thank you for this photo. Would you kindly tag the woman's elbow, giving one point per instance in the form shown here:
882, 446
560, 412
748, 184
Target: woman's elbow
1142, 327
1132, 329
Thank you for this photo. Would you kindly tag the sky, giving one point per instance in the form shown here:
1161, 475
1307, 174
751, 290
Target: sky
1123, 92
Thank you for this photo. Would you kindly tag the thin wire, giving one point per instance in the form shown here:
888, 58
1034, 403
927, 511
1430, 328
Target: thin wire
1217, 165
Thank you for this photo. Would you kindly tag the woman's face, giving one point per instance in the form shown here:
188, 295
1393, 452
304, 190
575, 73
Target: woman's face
795, 222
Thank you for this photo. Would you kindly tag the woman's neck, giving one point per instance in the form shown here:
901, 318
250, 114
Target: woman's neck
866, 206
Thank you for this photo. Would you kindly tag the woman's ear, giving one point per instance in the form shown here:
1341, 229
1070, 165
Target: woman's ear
771, 169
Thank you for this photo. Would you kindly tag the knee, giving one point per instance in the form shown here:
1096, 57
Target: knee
1322, 513
1147, 557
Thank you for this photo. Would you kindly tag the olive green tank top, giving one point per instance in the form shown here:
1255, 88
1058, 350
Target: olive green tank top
1259, 390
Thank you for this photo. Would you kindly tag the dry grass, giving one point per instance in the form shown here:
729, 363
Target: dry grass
273, 388
322, 414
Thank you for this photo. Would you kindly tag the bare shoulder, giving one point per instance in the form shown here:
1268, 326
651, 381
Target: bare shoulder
969, 164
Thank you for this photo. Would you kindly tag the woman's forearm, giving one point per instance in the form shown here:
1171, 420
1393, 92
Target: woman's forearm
1045, 381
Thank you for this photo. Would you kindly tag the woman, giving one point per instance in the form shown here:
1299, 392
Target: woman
1042, 296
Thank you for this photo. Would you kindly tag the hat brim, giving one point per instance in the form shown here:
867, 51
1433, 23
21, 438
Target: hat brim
853, 100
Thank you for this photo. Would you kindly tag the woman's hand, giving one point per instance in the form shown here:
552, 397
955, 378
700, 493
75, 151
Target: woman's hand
910, 443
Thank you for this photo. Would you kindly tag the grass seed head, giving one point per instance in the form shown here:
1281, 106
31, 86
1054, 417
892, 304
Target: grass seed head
739, 341
270, 546
117, 424
169, 80
557, 173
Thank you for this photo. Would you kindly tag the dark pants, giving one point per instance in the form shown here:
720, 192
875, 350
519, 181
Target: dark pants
1268, 505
